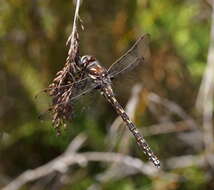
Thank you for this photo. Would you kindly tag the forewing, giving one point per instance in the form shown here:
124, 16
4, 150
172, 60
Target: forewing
138, 54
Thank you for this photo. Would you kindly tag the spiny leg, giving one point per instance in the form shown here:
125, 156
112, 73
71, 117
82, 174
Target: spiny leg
108, 93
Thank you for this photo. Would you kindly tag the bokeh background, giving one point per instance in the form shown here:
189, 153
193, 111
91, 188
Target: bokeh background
172, 109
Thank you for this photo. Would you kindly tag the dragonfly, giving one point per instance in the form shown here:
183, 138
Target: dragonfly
97, 77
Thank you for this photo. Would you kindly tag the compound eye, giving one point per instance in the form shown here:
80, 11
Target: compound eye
84, 59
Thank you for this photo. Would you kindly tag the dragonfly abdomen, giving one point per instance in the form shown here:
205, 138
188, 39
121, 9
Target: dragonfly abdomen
108, 94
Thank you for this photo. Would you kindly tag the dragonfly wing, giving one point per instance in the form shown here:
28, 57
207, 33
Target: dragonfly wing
78, 88
82, 87
139, 53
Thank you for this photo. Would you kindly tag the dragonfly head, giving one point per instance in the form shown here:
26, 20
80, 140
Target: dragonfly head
86, 60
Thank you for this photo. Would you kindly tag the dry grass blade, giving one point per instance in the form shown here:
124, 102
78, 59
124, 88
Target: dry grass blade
204, 102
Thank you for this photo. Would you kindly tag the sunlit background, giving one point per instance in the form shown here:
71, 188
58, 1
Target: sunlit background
33, 34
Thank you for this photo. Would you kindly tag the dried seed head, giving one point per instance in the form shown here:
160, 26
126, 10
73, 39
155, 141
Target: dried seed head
61, 89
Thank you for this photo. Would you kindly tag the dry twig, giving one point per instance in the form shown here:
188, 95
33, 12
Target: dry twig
62, 162
187, 161
169, 127
50, 167
173, 108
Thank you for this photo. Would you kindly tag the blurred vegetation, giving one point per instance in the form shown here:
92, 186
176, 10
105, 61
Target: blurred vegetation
32, 37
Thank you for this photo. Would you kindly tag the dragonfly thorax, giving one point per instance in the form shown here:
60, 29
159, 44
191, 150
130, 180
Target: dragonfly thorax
95, 71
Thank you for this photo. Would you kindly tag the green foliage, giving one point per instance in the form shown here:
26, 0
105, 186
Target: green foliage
194, 179
181, 25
